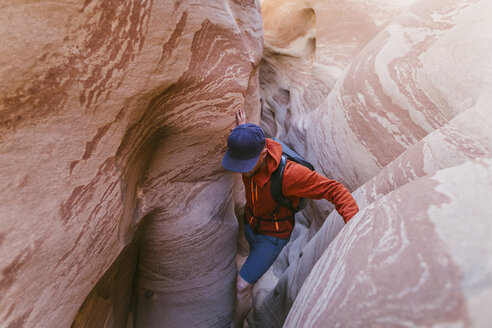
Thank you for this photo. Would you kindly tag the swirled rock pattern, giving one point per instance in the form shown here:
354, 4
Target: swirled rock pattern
113, 121
115, 211
406, 124
404, 265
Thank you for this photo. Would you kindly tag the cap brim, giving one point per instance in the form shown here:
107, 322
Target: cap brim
239, 165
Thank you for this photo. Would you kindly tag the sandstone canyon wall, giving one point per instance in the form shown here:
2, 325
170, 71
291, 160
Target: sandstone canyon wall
115, 211
397, 107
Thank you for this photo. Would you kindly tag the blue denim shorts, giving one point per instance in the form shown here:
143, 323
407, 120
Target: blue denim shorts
263, 250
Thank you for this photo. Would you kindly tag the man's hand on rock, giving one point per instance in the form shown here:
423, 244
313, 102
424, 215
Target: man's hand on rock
240, 117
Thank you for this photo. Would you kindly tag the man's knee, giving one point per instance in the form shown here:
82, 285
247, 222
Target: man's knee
242, 286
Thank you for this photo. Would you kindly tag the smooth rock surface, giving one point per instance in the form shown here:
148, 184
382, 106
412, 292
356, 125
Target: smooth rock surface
410, 101
115, 210
113, 122
402, 265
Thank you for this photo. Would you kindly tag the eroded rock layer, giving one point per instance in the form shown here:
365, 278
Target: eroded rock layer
113, 121
406, 120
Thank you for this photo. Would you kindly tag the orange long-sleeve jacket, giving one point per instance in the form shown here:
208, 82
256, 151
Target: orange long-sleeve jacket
298, 182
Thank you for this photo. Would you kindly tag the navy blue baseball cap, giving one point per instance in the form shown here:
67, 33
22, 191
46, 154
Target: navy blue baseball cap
245, 144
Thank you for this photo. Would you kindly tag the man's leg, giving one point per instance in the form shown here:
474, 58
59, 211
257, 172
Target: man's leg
244, 301
263, 252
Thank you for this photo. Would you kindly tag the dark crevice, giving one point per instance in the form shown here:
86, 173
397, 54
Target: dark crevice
112, 301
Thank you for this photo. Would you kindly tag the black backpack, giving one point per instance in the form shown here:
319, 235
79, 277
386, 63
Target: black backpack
278, 175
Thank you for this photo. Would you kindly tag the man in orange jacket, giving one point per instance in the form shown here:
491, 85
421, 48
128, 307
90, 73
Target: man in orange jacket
268, 226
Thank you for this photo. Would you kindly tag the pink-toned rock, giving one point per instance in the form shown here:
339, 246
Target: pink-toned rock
296, 76
113, 123
301, 65
400, 264
440, 150
411, 106
115, 211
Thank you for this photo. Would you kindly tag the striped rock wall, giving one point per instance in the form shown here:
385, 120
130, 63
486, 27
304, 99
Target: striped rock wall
407, 126
115, 211
402, 265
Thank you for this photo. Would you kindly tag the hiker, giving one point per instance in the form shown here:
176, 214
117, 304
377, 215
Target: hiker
267, 225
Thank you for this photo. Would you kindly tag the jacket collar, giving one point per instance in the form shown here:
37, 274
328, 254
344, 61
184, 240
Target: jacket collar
274, 154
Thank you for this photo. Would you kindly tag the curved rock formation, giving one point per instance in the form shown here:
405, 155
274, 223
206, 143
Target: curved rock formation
113, 122
401, 264
115, 210
402, 115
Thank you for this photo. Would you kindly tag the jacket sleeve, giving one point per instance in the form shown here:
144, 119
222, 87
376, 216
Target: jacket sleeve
299, 181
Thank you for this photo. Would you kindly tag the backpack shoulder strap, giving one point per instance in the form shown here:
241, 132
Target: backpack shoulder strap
276, 184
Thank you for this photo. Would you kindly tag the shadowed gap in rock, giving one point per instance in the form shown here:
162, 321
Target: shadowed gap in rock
112, 302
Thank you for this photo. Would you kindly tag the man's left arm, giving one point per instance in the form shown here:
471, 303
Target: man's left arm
299, 181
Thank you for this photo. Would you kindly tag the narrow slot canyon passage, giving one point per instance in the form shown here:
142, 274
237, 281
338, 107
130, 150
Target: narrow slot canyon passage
112, 302
116, 211
186, 266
